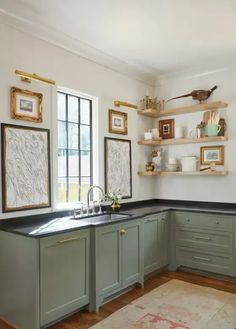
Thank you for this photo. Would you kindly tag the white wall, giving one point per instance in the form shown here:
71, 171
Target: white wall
26, 53
205, 188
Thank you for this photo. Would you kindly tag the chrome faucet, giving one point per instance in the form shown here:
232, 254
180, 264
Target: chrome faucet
88, 194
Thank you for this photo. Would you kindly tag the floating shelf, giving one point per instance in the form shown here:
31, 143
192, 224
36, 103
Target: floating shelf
176, 141
182, 110
183, 173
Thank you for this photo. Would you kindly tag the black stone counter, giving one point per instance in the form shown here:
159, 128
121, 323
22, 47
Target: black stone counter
56, 223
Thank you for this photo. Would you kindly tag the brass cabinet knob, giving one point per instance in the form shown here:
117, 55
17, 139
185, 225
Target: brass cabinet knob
122, 232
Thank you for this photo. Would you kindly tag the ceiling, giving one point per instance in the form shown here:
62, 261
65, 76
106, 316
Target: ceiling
155, 36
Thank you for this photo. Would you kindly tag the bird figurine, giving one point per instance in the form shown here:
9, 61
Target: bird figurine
200, 95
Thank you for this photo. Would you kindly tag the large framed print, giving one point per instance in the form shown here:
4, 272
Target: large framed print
25, 168
118, 167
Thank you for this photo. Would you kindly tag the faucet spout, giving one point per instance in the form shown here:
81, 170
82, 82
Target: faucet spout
88, 195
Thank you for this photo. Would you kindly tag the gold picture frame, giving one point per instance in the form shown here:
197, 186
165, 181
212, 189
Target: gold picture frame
212, 154
118, 122
26, 105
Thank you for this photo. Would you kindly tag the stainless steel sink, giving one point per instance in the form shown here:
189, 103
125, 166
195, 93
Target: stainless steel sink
101, 218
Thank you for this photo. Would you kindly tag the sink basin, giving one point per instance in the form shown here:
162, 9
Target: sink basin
101, 218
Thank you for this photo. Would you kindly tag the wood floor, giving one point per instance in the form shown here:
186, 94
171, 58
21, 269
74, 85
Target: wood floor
84, 319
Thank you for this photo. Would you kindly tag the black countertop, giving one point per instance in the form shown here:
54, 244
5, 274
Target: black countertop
42, 226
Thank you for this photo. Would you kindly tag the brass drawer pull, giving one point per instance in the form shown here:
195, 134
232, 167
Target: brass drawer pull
67, 240
150, 220
122, 232
202, 238
202, 258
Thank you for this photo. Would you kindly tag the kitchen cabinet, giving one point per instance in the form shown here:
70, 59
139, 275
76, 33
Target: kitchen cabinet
43, 279
151, 238
155, 242
64, 274
164, 239
204, 242
117, 259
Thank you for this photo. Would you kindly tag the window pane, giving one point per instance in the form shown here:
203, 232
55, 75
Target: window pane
62, 190
61, 163
62, 142
73, 163
73, 109
73, 136
84, 137
85, 163
73, 189
85, 111
61, 104
85, 185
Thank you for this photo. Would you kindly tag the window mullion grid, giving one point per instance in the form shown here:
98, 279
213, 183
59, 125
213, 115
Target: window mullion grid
79, 162
67, 152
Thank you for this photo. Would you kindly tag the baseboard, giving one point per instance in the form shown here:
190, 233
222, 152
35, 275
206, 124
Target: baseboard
6, 325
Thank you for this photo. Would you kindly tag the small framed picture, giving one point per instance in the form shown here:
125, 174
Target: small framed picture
166, 128
118, 122
212, 154
26, 105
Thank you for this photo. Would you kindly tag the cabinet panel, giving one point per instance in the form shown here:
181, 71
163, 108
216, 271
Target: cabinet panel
131, 253
207, 261
164, 239
150, 244
221, 241
203, 220
64, 277
108, 259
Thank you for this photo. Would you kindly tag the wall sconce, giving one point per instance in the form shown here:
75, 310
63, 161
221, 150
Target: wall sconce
27, 77
120, 103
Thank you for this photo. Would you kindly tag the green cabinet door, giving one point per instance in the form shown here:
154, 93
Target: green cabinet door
150, 243
108, 259
131, 253
164, 236
64, 274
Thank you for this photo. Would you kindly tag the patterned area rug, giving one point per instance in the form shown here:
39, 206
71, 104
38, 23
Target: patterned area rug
176, 305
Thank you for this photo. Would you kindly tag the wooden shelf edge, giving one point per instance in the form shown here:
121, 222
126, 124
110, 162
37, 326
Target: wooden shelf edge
176, 141
184, 173
184, 109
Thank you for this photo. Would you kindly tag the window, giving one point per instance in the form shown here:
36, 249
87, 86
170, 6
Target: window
75, 174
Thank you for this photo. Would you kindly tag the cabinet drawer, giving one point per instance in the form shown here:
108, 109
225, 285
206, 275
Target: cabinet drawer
206, 261
203, 220
222, 241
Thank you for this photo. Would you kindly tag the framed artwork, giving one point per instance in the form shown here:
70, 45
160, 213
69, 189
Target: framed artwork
118, 172
25, 168
26, 105
212, 154
166, 128
118, 122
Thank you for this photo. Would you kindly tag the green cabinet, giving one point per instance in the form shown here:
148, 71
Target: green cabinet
155, 242
164, 239
204, 241
117, 259
64, 274
151, 252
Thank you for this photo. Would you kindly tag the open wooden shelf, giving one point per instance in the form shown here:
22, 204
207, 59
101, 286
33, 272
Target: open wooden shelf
183, 173
176, 141
183, 110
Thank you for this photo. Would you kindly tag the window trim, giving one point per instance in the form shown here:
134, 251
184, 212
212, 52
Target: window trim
94, 139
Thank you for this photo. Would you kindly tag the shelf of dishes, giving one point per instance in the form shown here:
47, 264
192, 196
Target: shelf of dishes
176, 141
184, 173
157, 113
